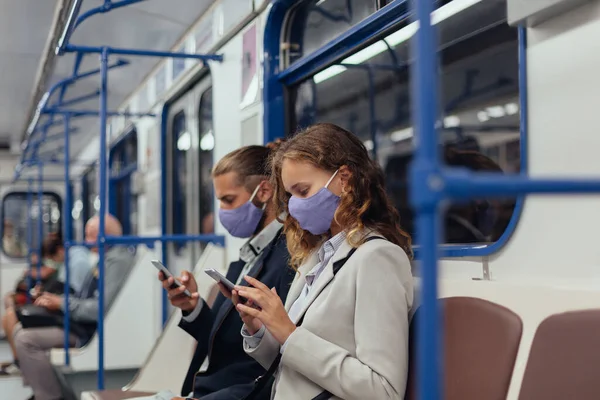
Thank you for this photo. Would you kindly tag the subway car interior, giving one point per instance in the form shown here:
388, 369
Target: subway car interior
475, 112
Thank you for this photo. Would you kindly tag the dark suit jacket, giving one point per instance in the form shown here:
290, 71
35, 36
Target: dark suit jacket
231, 372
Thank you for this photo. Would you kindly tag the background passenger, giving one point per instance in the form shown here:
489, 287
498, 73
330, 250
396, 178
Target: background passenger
32, 344
220, 368
11, 244
343, 331
52, 274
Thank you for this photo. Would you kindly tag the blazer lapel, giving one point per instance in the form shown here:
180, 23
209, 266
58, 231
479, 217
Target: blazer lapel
323, 280
227, 305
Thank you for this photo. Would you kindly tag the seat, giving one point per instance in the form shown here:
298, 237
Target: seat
114, 394
564, 358
166, 365
481, 341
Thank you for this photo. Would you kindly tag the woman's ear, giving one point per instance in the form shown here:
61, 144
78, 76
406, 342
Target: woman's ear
265, 193
345, 174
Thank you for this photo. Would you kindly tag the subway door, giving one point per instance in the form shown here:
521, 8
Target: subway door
182, 178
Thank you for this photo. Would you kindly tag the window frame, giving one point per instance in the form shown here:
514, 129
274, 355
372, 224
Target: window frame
34, 195
278, 109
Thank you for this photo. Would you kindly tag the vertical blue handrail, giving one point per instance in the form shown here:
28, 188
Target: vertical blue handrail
40, 220
67, 235
102, 211
29, 237
164, 249
425, 180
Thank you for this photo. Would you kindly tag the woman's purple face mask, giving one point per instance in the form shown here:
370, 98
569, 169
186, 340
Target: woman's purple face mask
314, 200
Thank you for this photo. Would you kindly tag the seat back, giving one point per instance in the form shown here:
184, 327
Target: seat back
168, 362
564, 358
481, 341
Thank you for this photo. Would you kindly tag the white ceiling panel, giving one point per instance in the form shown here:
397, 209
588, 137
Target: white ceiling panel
24, 28
151, 24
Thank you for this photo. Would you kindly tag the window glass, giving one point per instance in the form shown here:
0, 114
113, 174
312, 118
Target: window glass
321, 21
182, 144
19, 211
479, 107
207, 144
91, 200
123, 165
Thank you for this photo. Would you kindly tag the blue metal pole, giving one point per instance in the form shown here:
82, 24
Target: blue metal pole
425, 180
29, 237
40, 220
67, 237
163, 201
143, 53
101, 230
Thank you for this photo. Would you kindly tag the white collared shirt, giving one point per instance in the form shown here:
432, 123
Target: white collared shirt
253, 248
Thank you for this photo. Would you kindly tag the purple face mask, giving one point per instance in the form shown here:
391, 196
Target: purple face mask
315, 213
243, 221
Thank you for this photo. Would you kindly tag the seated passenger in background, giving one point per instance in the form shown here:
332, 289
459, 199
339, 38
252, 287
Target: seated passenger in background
11, 244
343, 332
53, 274
32, 344
220, 368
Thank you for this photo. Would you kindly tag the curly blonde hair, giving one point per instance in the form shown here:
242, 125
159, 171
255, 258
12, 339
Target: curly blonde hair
364, 203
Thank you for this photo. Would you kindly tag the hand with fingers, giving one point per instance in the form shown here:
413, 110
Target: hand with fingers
49, 301
176, 294
264, 305
252, 324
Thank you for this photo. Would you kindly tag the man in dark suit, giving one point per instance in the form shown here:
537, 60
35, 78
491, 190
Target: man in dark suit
220, 368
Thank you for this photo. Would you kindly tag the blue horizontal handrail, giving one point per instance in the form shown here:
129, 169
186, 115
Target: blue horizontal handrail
95, 113
80, 99
133, 240
68, 81
75, 20
141, 53
461, 184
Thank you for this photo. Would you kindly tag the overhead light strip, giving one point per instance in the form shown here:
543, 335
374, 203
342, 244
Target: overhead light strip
394, 39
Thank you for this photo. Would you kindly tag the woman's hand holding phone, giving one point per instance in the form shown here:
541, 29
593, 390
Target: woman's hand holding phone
176, 293
252, 324
270, 310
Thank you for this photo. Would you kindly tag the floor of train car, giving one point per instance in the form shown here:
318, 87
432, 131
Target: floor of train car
12, 386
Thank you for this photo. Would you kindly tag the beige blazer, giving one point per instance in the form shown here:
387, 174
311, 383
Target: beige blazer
353, 341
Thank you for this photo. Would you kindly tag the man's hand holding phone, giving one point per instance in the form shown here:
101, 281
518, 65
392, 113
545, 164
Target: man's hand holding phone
176, 294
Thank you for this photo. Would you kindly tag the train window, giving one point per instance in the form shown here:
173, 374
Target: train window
368, 92
320, 21
90, 201
20, 216
182, 143
123, 163
207, 144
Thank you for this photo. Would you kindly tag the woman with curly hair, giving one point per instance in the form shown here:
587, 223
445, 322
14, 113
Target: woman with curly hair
343, 332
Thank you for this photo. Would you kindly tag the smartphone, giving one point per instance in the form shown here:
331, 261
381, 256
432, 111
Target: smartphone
217, 276
159, 266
